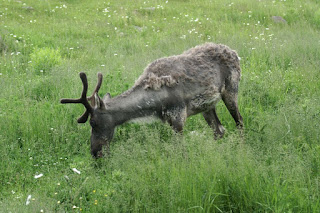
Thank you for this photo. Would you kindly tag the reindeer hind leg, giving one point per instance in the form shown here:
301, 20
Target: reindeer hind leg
230, 99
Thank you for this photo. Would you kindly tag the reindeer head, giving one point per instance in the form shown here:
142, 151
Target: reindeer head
100, 121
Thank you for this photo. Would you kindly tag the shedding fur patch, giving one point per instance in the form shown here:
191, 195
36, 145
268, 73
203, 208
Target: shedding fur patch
197, 64
156, 82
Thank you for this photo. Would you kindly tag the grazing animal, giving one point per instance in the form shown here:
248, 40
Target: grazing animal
172, 89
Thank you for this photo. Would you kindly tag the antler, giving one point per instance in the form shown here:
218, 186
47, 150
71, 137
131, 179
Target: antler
83, 99
96, 90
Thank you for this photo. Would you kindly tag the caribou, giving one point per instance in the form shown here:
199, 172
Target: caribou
170, 89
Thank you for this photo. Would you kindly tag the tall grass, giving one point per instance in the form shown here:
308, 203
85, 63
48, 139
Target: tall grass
272, 167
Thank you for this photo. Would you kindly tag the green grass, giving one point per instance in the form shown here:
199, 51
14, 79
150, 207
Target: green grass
273, 167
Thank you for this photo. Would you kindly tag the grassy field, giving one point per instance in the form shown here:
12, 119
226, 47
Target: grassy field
274, 167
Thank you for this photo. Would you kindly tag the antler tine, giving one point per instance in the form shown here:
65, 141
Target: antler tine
99, 82
83, 99
96, 90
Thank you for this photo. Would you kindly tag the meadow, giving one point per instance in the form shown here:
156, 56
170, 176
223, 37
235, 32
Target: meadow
46, 166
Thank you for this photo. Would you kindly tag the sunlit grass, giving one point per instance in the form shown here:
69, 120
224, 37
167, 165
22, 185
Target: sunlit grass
45, 154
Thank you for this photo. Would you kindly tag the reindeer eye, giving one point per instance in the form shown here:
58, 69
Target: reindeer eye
93, 123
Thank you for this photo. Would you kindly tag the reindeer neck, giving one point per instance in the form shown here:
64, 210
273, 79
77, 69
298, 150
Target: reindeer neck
134, 103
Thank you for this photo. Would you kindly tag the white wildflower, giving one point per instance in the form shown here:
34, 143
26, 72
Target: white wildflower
76, 171
38, 176
28, 200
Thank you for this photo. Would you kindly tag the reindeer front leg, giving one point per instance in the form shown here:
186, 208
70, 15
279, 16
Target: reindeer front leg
213, 121
176, 117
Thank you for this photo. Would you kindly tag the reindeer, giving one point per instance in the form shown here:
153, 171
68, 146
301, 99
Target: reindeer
171, 89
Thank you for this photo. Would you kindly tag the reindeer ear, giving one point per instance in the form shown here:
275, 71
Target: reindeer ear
98, 103
106, 98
